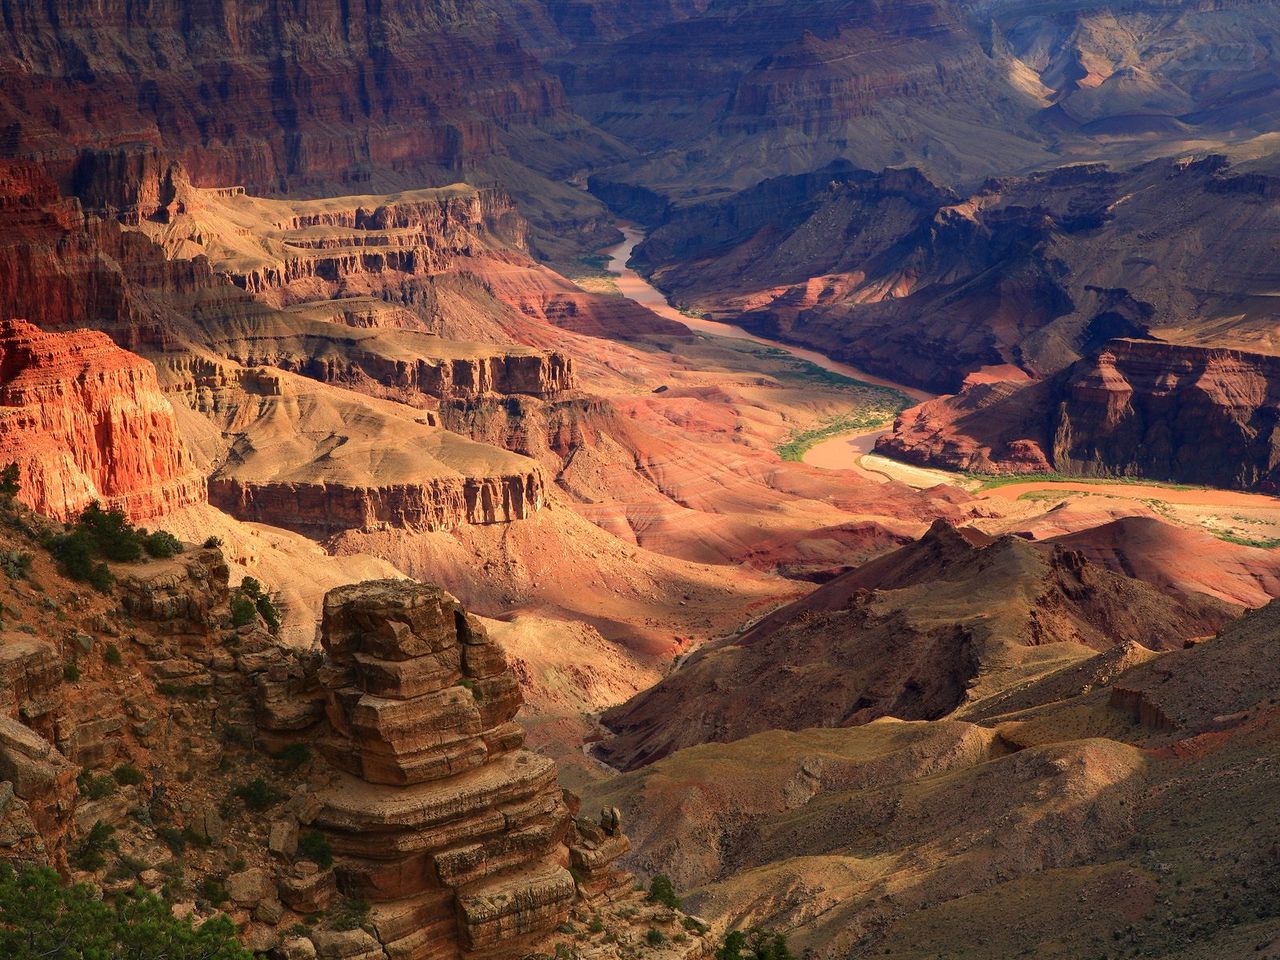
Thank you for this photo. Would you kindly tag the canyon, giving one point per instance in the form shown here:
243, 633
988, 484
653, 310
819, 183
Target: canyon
597, 480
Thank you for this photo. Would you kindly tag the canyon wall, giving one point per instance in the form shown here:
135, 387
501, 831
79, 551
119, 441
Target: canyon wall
1137, 408
280, 97
86, 421
321, 508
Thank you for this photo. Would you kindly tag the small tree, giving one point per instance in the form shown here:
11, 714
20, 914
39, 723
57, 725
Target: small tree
243, 611
40, 919
9, 482
663, 891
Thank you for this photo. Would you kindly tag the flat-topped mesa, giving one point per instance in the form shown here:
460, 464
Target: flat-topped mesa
438, 503
288, 251
441, 818
86, 421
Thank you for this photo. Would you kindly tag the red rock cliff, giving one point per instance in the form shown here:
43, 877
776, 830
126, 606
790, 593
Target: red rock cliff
86, 421
1138, 408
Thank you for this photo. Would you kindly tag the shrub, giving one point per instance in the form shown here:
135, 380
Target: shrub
314, 845
258, 795
173, 838
99, 535
251, 588
212, 543
70, 672
212, 892
16, 564
243, 611
110, 533
663, 891
91, 854
655, 937
39, 917
112, 655
127, 775
95, 787
351, 915
161, 544
294, 755
268, 611
757, 945
9, 484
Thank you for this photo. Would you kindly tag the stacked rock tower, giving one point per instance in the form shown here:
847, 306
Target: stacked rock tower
439, 817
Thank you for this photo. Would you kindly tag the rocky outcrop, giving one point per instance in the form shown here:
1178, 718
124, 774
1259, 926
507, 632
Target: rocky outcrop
407, 366
914, 634
433, 504
441, 815
1136, 408
1190, 414
86, 421
181, 596
290, 250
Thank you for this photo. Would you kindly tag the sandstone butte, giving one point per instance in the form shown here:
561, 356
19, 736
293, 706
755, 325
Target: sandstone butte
1136, 408
409, 787
85, 421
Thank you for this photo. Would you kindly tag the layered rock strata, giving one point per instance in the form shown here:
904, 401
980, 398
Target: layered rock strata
85, 421
1138, 408
440, 812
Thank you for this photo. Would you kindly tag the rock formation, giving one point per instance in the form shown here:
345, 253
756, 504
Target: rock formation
86, 421
915, 634
440, 812
1136, 408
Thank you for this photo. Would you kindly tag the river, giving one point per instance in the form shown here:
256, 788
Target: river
841, 452
844, 452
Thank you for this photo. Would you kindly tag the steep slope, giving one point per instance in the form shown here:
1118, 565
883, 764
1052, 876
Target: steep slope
1136, 408
893, 273
273, 784
1180, 559
275, 98
736, 93
913, 635
85, 421
1070, 816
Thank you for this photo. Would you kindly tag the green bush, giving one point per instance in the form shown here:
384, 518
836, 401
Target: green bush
294, 755
212, 543
95, 787
655, 937
268, 612
16, 564
99, 535
351, 914
243, 611
127, 775
212, 891
251, 588
91, 854
161, 545
173, 838
110, 534
70, 672
258, 795
112, 655
314, 845
663, 891
757, 944
9, 485
40, 919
